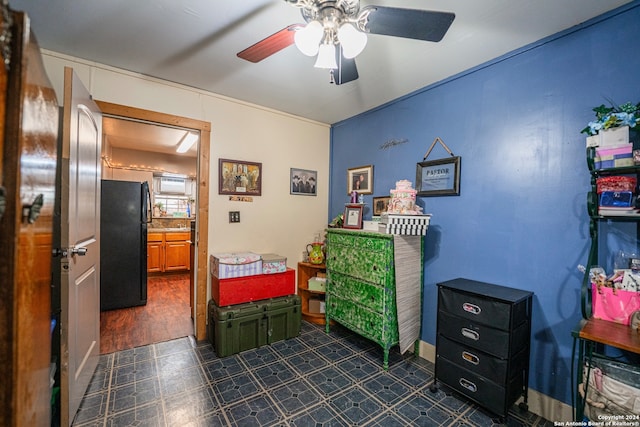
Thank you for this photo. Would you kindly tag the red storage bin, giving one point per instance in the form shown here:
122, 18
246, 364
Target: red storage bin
238, 290
616, 184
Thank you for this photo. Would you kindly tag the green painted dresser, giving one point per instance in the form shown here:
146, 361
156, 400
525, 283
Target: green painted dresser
361, 291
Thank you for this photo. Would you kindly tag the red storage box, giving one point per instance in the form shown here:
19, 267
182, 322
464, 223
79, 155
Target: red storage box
238, 290
616, 184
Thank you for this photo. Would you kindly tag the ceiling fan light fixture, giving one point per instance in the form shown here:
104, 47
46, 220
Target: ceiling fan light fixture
308, 39
326, 56
188, 140
352, 40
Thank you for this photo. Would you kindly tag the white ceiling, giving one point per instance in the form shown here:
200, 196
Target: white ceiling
143, 136
194, 42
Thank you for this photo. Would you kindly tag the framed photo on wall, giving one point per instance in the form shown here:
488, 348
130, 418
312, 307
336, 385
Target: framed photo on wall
360, 179
438, 177
352, 216
303, 182
239, 177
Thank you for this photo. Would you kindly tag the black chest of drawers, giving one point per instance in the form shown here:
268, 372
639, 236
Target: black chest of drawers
483, 342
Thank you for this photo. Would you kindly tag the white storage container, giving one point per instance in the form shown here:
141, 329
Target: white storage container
228, 265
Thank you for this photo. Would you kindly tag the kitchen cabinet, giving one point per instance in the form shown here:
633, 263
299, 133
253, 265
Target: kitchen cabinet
176, 251
155, 252
168, 251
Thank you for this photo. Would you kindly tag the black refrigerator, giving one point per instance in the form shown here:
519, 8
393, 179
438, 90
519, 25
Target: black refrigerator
124, 214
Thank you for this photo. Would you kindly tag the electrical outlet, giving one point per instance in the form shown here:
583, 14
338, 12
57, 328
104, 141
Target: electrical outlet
234, 216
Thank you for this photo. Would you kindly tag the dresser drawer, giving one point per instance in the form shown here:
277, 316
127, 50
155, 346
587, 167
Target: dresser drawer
472, 359
483, 364
373, 267
348, 288
496, 342
358, 243
489, 311
492, 396
370, 324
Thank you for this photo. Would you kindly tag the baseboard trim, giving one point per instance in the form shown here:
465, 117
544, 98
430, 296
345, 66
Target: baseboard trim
539, 404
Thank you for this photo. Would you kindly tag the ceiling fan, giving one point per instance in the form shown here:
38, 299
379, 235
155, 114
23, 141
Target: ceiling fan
336, 31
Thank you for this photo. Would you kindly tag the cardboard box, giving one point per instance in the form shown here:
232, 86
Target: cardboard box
317, 284
316, 306
238, 290
273, 263
227, 265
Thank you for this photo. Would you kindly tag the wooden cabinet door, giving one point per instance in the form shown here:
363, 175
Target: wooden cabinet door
155, 257
176, 256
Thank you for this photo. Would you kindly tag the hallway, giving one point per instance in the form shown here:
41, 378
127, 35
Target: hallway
165, 316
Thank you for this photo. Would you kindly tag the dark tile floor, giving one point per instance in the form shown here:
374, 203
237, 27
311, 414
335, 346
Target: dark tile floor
314, 380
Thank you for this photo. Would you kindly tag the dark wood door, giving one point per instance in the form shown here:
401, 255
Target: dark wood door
29, 127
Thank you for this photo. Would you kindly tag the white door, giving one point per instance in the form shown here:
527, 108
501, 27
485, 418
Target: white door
80, 228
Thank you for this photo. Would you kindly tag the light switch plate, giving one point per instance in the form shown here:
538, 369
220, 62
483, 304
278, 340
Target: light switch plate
234, 216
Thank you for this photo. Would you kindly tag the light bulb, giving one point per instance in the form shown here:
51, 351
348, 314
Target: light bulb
308, 38
352, 40
326, 56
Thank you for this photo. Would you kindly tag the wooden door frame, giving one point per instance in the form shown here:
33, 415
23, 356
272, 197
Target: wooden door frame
202, 217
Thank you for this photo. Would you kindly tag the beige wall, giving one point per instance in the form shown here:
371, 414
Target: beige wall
276, 222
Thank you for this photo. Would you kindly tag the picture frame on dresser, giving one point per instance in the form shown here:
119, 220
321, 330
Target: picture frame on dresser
380, 205
352, 216
360, 180
438, 177
239, 177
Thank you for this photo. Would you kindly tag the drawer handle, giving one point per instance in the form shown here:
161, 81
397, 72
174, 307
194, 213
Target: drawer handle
470, 357
468, 333
468, 385
471, 308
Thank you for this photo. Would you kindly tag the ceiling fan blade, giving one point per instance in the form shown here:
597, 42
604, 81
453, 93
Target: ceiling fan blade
270, 45
346, 71
408, 23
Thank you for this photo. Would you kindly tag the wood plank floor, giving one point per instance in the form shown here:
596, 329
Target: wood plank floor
166, 316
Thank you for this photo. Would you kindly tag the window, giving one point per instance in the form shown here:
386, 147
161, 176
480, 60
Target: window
172, 206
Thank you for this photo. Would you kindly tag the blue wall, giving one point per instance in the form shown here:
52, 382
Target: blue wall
520, 219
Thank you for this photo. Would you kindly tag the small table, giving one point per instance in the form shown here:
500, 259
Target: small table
594, 332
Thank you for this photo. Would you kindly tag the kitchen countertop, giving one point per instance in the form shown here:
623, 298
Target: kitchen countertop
168, 230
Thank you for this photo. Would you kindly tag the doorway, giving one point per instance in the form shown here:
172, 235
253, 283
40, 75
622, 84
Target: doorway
202, 210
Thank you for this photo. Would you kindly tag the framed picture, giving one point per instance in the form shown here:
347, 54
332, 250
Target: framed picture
380, 205
303, 182
360, 179
352, 216
438, 177
238, 177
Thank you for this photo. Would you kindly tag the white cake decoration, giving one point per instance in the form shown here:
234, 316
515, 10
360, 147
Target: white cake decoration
403, 199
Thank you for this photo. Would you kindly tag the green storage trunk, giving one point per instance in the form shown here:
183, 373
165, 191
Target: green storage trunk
241, 327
